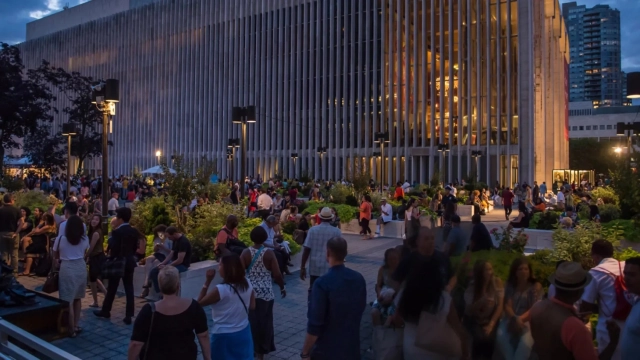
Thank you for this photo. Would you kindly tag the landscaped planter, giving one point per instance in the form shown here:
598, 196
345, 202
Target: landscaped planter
538, 239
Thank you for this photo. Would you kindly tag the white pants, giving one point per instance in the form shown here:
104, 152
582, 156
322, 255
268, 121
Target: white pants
522, 350
151, 263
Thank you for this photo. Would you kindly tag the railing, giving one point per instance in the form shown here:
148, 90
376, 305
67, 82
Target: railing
37, 346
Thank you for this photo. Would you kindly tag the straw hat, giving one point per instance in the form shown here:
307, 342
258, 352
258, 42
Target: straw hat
570, 276
326, 214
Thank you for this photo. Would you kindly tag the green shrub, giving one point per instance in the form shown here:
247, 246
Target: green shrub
12, 184
630, 228
609, 212
547, 220
216, 192
626, 254
575, 245
607, 195
150, 213
244, 233
288, 227
208, 219
33, 199
345, 212
339, 193
352, 201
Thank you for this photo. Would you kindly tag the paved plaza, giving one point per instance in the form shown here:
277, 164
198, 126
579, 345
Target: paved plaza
109, 339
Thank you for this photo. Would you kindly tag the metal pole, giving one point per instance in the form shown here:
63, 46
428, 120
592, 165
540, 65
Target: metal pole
243, 164
68, 165
381, 164
105, 175
294, 168
477, 170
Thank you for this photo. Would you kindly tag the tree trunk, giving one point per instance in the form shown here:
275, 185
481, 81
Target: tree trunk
80, 163
1, 159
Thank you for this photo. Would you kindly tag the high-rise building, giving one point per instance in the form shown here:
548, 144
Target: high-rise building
447, 79
595, 72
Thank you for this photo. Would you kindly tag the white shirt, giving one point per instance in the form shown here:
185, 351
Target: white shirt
601, 291
113, 204
229, 314
386, 208
406, 186
454, 191
560, 196
270, 234
264, 202
71, 252
62, 227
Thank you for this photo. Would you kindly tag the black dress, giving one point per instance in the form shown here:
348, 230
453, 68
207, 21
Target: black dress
38, 243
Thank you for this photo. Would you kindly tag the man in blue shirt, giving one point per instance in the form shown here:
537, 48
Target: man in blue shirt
338, 300
630, 339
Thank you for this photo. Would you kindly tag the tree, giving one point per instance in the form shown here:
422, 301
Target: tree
25, 99
626, 184
86, 117
359, 177
46, 151
591, 154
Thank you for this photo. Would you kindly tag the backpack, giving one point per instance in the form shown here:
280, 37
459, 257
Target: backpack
623, 307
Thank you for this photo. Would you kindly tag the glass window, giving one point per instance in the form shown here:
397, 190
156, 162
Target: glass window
601, 127
581, 128
609, 127
589, 127
574, 128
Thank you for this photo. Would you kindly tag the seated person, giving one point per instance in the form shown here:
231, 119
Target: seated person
566, 223
569, 213
522, 221
539, 206
161, 249
385, 307
36, 242
594, 213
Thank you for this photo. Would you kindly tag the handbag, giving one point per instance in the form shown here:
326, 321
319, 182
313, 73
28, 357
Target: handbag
52, 283
387, 343
113, 266
434, 333
299, 236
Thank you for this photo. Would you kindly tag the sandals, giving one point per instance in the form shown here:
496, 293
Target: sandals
94, 305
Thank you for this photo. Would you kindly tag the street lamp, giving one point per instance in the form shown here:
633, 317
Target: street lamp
68, 130
321, 150
243, 115
443, 148
628, 129
232, 144
633, 85
476, 154
229, 162
381, 138
106, 94
158, 154
294, 157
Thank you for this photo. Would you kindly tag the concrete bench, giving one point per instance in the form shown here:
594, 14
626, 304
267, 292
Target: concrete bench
538, 239
392, 229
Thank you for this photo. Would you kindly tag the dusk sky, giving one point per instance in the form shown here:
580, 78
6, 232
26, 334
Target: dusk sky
15, 14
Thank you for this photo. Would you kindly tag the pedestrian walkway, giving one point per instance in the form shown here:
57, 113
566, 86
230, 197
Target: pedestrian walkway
109, 339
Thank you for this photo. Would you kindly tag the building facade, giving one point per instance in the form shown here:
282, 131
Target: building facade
595, 71
473, 75
585, 121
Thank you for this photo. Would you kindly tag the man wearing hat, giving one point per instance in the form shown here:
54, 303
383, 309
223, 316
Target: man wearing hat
557, 331
315, 247
448, 196
386, 213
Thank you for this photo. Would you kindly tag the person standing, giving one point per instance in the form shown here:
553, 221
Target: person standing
480, 237
264, 204
600, 295
113, 204
535, 192
269, 225
124, 242
557, 331
315, 248
456, 243
179, 257
365, 216
386, 215
9, 242
69, 252
338, 300
543, 189
507, 202
261, 265
630, 340
95, 258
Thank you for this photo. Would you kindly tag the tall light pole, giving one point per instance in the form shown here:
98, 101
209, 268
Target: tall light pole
68, 130
232, 144
321, 150
294, 157
158, 154
476, 154
243, 116
105, 95
381, 138
443, 149
229, 162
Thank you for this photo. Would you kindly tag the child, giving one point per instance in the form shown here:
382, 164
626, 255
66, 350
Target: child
385, 306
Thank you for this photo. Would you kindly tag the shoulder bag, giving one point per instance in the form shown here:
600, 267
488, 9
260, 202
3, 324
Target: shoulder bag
253, 261
51, 285
146, 345
113, 266
434, 333
240, 297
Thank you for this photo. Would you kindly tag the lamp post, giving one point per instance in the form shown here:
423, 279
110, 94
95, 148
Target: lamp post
294, 157
633, 85
68, 130
628, 130
243, 115
232, 144
158, 154
229, 162
381, 138
105, 95
443, 149
321, 150
476, 154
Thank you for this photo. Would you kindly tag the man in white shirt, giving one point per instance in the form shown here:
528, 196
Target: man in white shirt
560, 199
264, 204
386, 213
113, 204
600, 295
406, 186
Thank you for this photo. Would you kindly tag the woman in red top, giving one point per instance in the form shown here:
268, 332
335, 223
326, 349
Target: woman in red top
253, 201
399, 192
365, 217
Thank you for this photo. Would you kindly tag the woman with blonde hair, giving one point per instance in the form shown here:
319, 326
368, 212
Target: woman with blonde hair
165, 329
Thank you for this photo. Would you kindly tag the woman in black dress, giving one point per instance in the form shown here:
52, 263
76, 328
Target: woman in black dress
36, 242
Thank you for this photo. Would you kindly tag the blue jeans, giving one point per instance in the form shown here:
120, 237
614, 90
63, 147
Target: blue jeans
154, 276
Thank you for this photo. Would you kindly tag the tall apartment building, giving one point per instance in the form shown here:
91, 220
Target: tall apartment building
595, 72
445, 79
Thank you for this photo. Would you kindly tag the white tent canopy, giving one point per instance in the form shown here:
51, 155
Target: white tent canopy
157, 170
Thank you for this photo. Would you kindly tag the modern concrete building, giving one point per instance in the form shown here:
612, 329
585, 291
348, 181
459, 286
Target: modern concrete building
585, 121
462, 76
595, 72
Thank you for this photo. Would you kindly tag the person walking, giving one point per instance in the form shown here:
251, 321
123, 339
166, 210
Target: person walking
165, 329
124, 242
315, 248
9, 241
113, 204
69, 253
558, 332
261, 266
456, 243
365, 217
507, 202
95, 258
230, 303
338, 300
630, 340
543, 189
480, 237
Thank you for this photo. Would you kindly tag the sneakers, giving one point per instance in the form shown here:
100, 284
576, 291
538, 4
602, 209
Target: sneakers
101, 314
